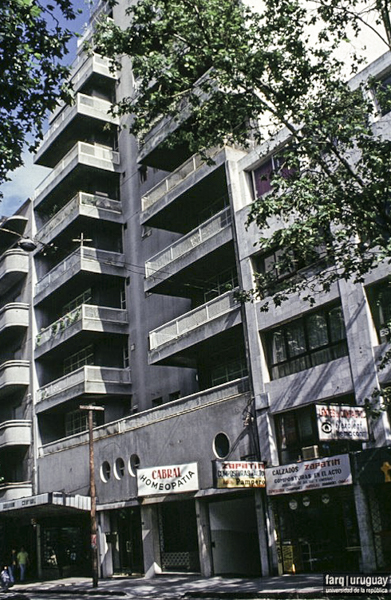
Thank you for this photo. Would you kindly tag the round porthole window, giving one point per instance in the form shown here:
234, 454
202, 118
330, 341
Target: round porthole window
134, 463
221, 445
105, 471
119, 468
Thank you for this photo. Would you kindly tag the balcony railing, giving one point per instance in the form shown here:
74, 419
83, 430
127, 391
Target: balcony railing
185, 244
15, 490
14, 372
103, 257
84, 312
14, 314
174, 179
84, 104
80, 200
84, 376
193, 319
15, 433
89, 154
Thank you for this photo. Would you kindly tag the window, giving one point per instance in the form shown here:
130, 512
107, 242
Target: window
79, 359
233, 369
157, 401
223, 282
383, 95
83, 298
76, 422
306, 342
221, 445
174, 396
263, 175
379, 297
298, 437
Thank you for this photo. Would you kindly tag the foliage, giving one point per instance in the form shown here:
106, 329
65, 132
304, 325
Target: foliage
32, 45
231, 75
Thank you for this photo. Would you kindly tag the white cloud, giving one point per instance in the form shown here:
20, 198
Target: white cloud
22, 185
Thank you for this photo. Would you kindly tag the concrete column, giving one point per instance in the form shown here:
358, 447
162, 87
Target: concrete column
368, 552
362, 359
105, 549
262, 533
39, 553
204, 538
150, 535
272, 535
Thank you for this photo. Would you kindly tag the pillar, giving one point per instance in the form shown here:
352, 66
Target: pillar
204, 539
150, 535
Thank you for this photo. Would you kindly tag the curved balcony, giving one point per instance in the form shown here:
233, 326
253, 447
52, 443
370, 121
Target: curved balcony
14, 315
15, 490
14, 374
15, 433
70, 123
89, 381
81, 205
84, 318
81, 261
14, 266
85, 155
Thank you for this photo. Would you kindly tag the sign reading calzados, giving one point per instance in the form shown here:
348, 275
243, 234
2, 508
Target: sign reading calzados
309, 475
337, 422
168, 480
232, 474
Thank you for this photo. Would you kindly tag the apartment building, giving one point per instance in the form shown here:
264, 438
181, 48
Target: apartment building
232, 441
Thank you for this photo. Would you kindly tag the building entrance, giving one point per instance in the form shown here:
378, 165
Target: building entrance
128, 550
178, 537
317, 531
235, 547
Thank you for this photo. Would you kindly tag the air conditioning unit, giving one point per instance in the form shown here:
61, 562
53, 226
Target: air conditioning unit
310, 452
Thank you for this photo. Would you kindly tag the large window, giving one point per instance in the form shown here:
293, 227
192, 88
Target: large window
79, 359
298, 436
306, 342
383, 95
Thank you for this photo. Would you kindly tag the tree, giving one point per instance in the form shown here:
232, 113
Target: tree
33, 43
246, 77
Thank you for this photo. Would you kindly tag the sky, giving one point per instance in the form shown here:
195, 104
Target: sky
25, 179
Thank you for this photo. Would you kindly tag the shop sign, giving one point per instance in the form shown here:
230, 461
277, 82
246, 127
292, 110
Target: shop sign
341, 422
309, 475
168, 480
242, 474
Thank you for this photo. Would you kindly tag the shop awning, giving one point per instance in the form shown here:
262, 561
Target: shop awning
45, 504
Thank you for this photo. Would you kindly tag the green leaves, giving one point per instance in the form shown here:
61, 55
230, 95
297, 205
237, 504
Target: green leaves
31, 73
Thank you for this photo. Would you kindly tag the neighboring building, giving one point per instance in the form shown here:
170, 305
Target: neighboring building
140, 252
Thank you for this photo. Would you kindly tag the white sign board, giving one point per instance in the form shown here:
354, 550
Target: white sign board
336, 422
168, 480
309, 475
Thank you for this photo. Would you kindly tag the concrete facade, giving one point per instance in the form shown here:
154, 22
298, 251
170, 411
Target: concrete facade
133, 288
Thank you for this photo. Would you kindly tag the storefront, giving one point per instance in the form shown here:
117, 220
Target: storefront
55, 531
314, 513
176, 517
125, 539
372, 470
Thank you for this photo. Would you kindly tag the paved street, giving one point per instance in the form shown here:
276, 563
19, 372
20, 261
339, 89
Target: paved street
172, 587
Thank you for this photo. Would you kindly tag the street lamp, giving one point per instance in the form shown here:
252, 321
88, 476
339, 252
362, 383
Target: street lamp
25, 243
94, 547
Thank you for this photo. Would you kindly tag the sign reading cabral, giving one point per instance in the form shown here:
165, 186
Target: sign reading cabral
168, 480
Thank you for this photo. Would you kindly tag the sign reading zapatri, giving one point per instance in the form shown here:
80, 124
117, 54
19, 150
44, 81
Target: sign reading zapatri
168, 480
309, 475
337, 422
233, 474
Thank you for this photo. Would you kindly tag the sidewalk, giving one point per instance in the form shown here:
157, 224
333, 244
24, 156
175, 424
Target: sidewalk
182, 586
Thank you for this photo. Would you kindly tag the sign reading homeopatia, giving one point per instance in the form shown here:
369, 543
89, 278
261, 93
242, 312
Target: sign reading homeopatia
337, 422
239, 474
168, 480
309, 475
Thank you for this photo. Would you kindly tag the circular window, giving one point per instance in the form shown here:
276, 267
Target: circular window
134, 463
221, 445
105, 471
119, 468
